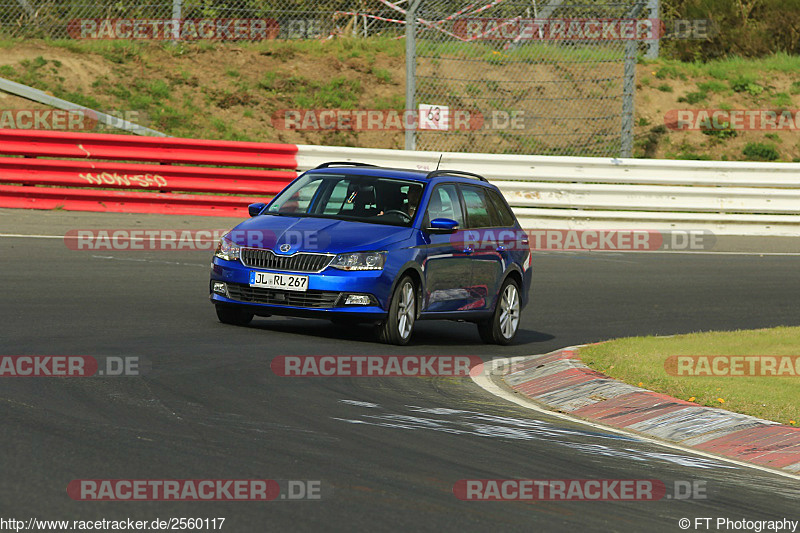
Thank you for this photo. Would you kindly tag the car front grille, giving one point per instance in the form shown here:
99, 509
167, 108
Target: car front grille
259, 295
299, 262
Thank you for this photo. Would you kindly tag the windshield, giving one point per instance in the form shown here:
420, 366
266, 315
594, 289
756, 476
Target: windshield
348, 197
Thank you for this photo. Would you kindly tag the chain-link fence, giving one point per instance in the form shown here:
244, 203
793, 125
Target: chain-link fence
520, 78
494, 76
281, 19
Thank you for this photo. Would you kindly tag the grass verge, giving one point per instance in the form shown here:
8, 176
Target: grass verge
641, 361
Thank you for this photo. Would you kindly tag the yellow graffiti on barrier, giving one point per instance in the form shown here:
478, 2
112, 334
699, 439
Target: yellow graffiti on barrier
137, 180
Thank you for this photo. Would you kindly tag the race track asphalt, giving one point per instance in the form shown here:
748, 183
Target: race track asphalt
387, 451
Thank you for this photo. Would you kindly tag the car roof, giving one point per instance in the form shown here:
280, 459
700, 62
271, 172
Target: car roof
400, 173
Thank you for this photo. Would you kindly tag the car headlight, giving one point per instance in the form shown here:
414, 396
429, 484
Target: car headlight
359, 261
227, 250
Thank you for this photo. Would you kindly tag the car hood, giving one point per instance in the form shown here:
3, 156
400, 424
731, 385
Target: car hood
315, 234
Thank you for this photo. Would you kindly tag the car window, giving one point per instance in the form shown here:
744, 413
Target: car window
350, 197
504, 214
479, 209
336, 200
444, 203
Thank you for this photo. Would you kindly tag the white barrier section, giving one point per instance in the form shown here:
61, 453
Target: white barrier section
548, 192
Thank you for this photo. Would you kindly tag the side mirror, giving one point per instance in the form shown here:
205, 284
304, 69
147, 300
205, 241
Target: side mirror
443, 226
255, 209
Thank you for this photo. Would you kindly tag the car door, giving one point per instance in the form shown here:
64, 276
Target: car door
483, 230
447, 266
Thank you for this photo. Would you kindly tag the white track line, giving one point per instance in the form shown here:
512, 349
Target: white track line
19, 235
485, 382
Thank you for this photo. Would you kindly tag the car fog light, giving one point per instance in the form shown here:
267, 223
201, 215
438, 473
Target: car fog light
357, 299
219, 287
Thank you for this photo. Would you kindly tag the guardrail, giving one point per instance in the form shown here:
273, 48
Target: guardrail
546, 192
78, 171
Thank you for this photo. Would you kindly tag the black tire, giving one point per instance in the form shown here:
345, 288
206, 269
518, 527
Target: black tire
233, 315
504, 324
399, 324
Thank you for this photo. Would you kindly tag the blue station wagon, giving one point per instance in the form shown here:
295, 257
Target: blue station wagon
352, 242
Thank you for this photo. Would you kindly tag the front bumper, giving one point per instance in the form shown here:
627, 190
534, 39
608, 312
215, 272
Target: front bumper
326, 295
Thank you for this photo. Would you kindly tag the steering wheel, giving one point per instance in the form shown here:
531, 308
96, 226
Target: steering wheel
403, 214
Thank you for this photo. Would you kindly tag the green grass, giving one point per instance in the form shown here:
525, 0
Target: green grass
782, 100
116, 51
534, 52
746, 84
721, 134
732, 67
341, 47
382, 74
713, 86
336, 93
668, 72
689, 155
761, 151
693, 97
396, 102
641, 360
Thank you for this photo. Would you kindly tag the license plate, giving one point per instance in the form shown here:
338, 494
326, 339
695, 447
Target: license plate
287, 282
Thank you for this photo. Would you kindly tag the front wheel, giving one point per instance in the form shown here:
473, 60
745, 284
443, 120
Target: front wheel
233, 315
397, 327
503, 326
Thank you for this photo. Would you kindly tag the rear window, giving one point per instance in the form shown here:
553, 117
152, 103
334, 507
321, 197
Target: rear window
480, 211
504, 213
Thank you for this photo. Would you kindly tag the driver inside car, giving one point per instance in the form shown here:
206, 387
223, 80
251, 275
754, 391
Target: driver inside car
406, 206
412, 200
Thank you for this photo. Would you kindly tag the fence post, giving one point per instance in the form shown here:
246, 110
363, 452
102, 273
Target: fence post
629, 90
654, 12
411, 72
177, 8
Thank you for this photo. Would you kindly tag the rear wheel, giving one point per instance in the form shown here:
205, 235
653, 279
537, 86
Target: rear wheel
233, 315
399, 324
503, 326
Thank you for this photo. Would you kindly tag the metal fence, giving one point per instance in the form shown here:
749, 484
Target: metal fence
495, 76
282, 19
520, 78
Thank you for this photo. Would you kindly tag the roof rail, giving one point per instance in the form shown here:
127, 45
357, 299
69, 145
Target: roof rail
435, 173
344, 164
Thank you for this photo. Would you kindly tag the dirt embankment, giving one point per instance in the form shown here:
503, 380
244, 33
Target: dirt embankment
233, 92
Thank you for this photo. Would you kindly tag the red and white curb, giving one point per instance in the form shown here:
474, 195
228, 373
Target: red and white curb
563, 383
